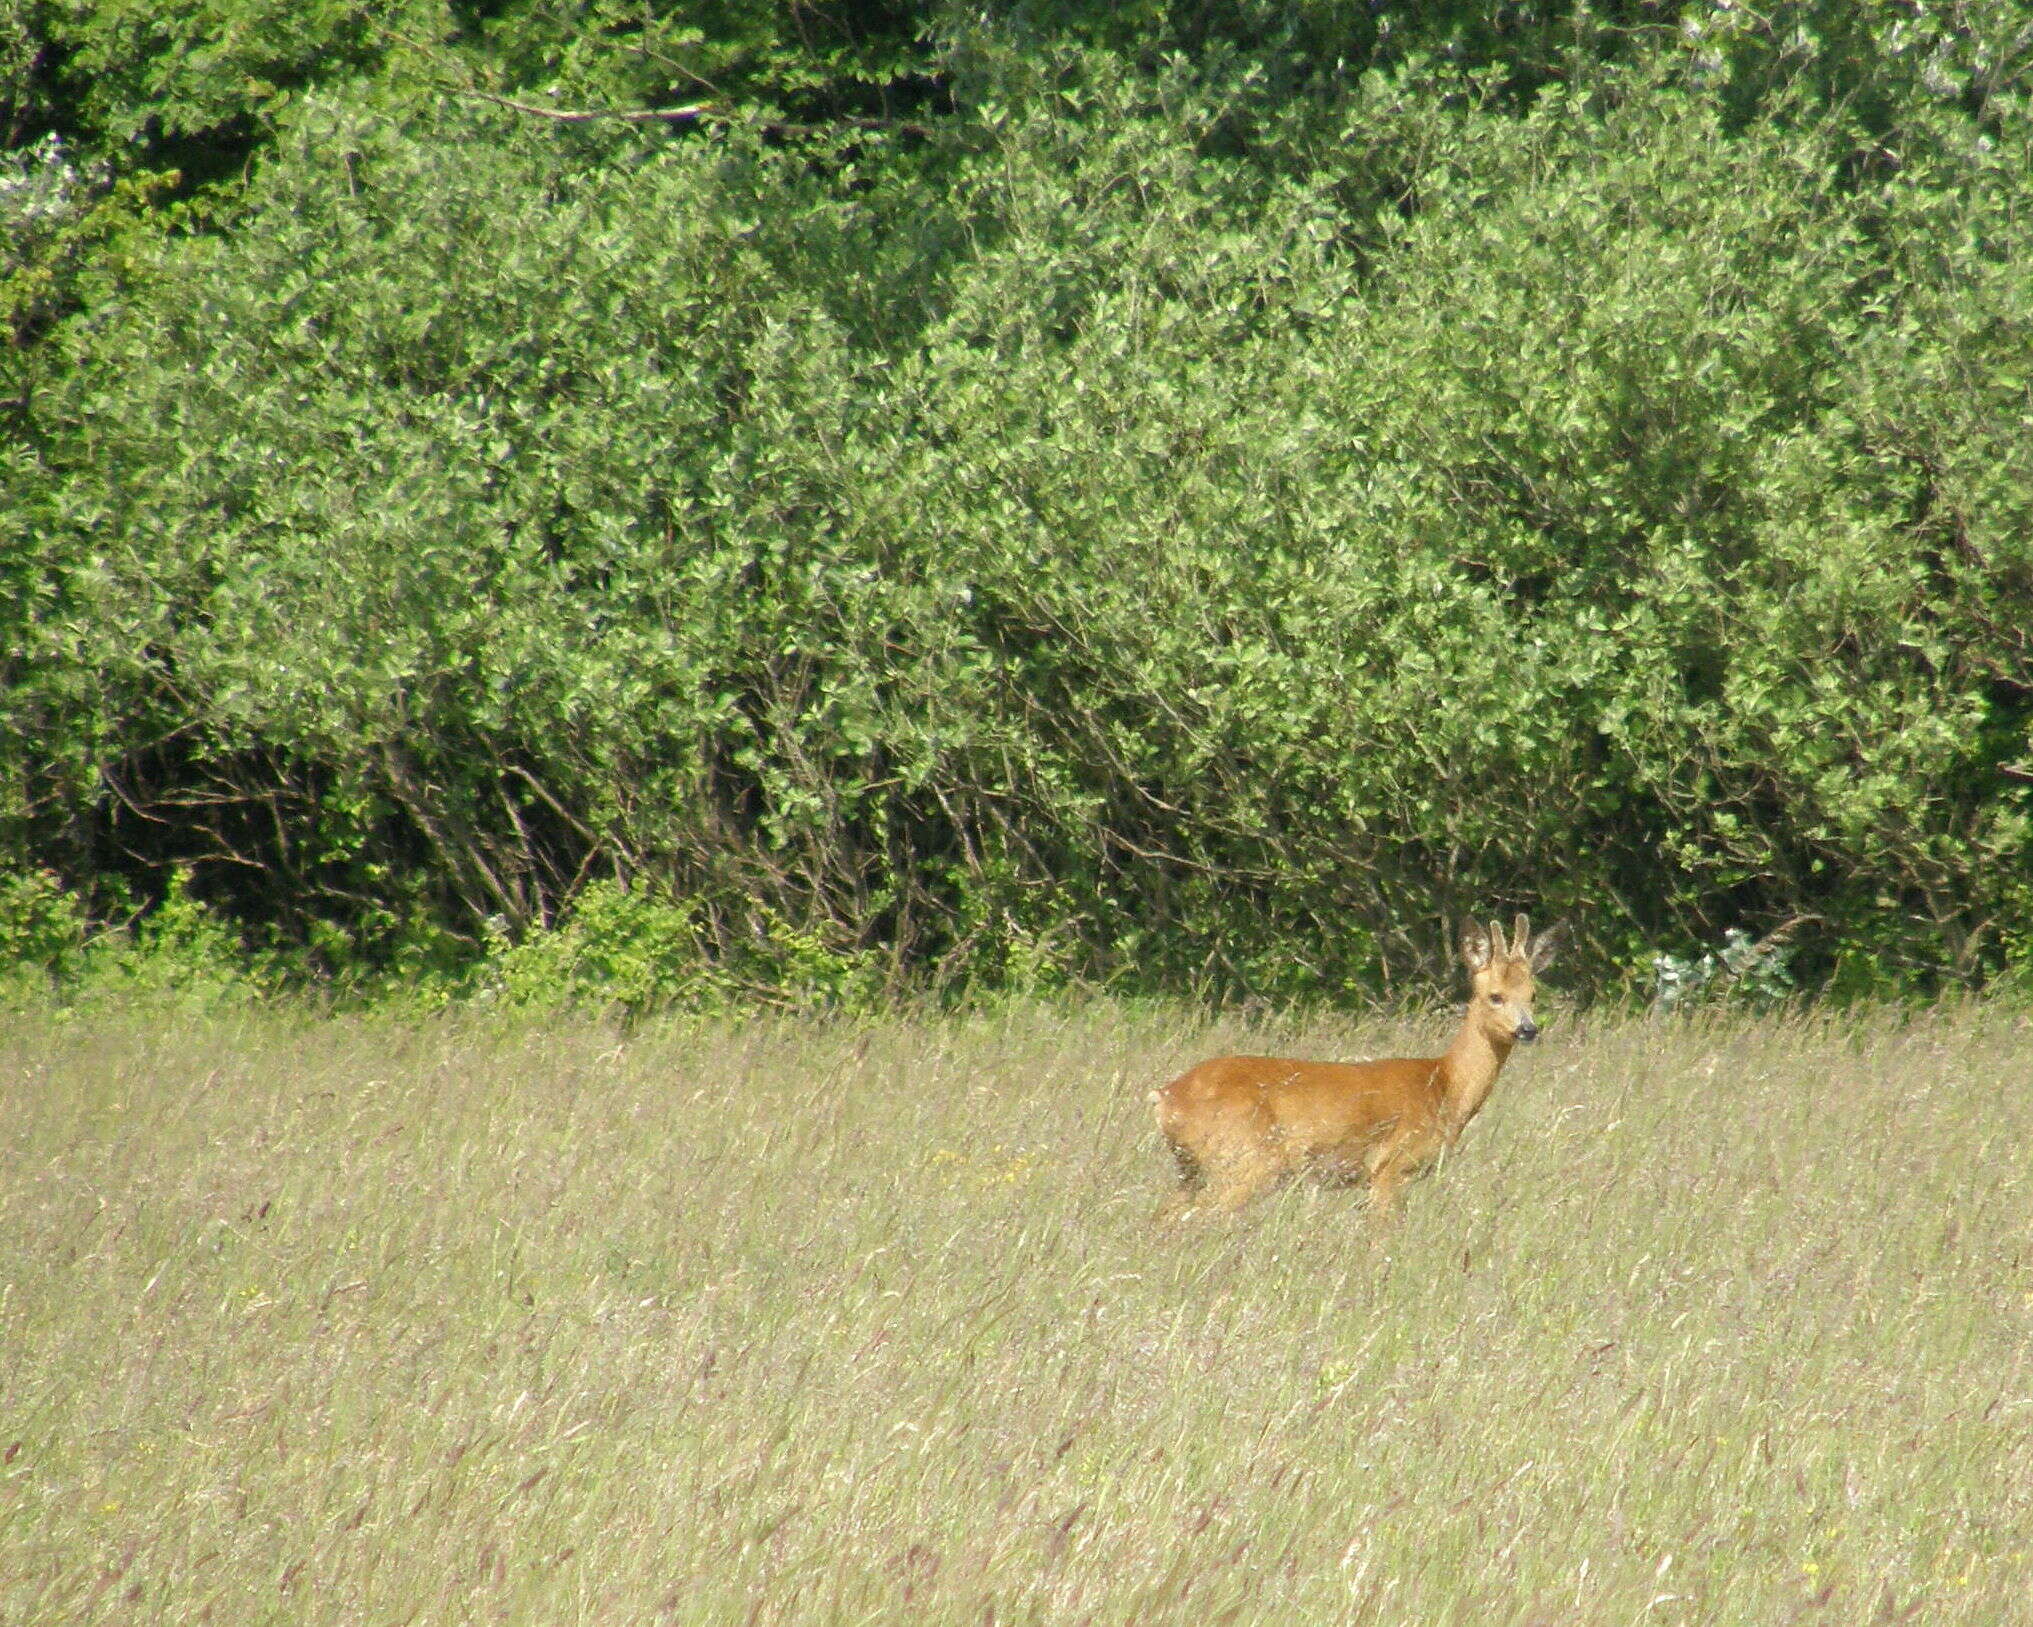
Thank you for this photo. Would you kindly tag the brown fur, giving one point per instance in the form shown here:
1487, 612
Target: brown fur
1239, 1124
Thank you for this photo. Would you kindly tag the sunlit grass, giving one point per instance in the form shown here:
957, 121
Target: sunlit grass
346, 1321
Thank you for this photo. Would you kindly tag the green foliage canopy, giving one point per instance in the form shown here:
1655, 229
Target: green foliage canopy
1178, 498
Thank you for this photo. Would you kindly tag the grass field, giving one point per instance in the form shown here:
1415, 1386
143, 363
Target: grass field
328, 1321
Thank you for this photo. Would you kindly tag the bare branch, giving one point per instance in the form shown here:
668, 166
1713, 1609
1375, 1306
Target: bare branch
695, 113
689, 114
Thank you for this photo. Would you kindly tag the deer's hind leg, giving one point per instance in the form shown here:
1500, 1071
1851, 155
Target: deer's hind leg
1192, 1183
1249, 1161
1223, 1165
1243, 1180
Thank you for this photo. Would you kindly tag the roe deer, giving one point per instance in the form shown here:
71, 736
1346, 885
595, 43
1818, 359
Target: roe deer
1238, 1124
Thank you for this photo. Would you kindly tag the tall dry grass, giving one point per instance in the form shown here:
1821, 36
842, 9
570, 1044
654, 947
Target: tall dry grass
355, 1322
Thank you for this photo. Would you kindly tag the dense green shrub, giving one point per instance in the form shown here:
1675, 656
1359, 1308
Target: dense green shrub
1147, 526
178, 954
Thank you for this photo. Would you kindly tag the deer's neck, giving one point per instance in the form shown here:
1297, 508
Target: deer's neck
1467, 1072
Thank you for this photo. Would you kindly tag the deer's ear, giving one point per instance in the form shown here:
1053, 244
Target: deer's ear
1521, 935
1546, 946
1475, 947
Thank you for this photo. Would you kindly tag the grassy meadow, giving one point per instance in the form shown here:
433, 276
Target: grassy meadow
357, 1321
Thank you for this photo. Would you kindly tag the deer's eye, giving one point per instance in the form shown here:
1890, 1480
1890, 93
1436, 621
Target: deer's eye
1496, 999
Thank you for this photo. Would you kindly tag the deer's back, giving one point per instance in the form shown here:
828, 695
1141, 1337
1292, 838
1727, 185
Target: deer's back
1307, 1106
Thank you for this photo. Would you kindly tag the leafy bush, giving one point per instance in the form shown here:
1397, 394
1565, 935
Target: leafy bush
633, 954
1149, 529
180, 953
1747, 970
43, 936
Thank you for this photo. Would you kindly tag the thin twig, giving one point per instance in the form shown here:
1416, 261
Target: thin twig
698, 113
691, 113
688, 114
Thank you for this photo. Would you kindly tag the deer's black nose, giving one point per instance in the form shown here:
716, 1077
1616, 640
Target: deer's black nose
1528, 1031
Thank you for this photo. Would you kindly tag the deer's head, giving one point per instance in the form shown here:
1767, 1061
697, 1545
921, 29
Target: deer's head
1501, 978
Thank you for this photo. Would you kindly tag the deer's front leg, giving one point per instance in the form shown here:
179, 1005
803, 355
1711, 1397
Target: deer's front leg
1402, 1158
